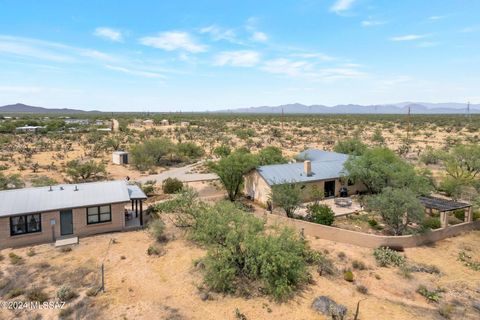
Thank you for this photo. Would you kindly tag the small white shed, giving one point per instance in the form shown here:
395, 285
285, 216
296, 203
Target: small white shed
165, 122
120, 157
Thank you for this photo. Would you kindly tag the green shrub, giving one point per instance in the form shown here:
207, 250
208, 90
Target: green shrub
386, 257
320, 213
153, 251
66, 293
373, 223
15, 259
31, 252
348, 276
431, 223
459, 214
172, 185
359, 265
362, 289
468, 261
432, 296
37, 294
240, 252
157, 229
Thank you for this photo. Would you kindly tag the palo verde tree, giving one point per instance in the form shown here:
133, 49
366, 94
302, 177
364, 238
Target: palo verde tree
86, 171
463, 162
379, 168
231, 170
397, 207
270, 155
287, 196
352, 146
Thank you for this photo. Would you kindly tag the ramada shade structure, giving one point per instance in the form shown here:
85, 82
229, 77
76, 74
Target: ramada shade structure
444, 205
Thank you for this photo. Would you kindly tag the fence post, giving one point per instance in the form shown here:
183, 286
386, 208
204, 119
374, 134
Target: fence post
103, 278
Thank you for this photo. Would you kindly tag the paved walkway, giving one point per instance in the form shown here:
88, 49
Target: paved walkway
184, 174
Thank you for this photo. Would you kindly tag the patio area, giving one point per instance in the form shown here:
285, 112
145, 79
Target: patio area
339, 211
132, 220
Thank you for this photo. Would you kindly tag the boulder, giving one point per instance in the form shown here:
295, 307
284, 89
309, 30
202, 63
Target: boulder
328, 307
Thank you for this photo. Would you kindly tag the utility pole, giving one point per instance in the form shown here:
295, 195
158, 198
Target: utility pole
468, 111
408, 124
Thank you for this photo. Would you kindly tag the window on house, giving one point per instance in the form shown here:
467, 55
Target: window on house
28, 223
99, 214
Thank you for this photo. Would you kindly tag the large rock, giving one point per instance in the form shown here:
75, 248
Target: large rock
328, 307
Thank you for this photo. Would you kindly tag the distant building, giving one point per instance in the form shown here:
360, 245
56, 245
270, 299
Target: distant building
104, 129
77, 121
184, 124
148, 122
120, 157
30, 128
165, 122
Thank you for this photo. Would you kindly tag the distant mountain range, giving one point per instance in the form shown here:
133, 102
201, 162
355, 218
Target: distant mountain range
398, 108
296, 108
23, 108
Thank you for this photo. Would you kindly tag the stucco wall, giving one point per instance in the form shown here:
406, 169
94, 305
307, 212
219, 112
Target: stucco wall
80, 227
369, 240
255, 185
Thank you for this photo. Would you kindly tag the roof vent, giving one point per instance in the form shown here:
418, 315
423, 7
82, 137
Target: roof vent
76, 188
61, 188
307, 168
50, 189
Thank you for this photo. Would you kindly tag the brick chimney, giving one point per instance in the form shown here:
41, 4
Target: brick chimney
307, 168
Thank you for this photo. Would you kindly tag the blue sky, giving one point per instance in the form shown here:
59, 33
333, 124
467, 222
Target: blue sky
207, 55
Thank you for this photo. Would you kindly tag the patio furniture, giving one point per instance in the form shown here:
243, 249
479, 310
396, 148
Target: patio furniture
343, 202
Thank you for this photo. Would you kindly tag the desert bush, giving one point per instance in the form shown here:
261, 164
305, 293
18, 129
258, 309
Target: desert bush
431, 223
31, 252
325, 266
350, 146
239, 251
287, 196
362, 289
153, 251
172, 185
433, 296
348, 276
37, 294
320, 213
157, 229
15, 259
386, 257
42, 181
66, 293
359, 265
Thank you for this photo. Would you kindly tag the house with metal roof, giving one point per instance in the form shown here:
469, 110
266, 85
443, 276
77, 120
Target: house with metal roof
47, 214
323, 170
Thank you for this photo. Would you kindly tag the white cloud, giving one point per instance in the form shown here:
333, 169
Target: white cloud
287, 67
218, 33
259, 36
341, 5
316, 55
372, 23
409, 37
29, 48
436, 17
109, 34
243, 58
173, 40
140, 73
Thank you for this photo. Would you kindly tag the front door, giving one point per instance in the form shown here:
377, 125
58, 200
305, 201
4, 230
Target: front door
329, 188
66, 222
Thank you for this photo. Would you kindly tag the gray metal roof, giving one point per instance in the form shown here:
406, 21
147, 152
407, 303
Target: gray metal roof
135, 192
28, 200
321, 155
325, 165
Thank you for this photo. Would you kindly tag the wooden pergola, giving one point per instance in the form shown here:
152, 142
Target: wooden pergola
443, 206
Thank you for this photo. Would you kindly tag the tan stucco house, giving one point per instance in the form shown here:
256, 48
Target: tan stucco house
46, 214
314, 168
